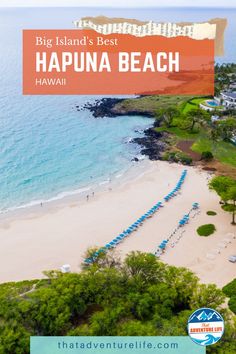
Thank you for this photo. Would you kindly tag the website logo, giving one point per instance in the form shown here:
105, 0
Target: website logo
205, 326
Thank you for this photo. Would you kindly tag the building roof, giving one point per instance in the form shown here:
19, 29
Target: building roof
230, 94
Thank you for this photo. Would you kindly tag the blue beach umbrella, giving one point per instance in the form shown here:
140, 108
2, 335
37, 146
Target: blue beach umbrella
161, 246
119, 238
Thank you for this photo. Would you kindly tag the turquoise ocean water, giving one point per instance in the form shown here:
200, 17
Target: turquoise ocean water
47, 148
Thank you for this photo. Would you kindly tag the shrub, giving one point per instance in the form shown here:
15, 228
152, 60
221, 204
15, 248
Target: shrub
206, 230
230, 291
230, 288
232, 304
207, 155
185, 159
175, 156
211, 213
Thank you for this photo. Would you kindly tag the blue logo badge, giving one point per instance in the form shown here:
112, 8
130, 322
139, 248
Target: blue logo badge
205, 326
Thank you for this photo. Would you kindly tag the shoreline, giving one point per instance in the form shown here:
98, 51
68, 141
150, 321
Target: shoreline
42, 241
152, 144
92, 185
77, 195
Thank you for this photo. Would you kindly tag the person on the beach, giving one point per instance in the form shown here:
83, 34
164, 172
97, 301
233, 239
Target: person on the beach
87, 197
41, 204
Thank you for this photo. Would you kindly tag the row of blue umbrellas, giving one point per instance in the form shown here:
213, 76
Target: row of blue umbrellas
125, 233
136, 224
163, 245
182, 222
177, 187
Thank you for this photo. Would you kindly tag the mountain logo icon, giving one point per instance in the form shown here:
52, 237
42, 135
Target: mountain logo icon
205, 326
205, 316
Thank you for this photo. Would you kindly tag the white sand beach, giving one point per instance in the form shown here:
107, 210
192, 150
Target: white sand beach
33, 242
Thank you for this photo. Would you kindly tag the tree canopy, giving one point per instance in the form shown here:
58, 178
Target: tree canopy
139, 296
225, 187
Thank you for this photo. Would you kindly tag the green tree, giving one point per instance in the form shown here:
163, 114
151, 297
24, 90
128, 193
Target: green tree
136, 328
207, 156
196, 117
140, 296
230, 199
207, 295
104, 323
225, 187
14, 339
226, 128
166, 115
144, 268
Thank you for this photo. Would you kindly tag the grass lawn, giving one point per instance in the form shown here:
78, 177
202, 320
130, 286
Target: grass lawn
193, 104
180, 133
222, 151
151, 103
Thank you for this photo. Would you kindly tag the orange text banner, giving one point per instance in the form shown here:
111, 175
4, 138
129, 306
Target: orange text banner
64, 62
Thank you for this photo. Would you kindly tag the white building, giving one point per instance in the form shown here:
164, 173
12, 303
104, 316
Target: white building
215, 118
228, 99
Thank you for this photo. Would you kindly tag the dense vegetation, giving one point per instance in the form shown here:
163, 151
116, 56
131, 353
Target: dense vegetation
141, 296
225, 187
190, 123
230, 291
206, 230
224, 74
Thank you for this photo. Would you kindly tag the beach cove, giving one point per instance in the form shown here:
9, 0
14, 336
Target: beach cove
36, 241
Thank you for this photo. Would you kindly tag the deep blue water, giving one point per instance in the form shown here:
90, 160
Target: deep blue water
47, 148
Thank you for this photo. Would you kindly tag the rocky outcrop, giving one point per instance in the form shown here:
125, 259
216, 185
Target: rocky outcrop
152, 143
102, 108
108, 107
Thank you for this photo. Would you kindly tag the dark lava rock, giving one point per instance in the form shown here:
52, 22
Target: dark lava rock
103, 108
106, 107
153, 144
